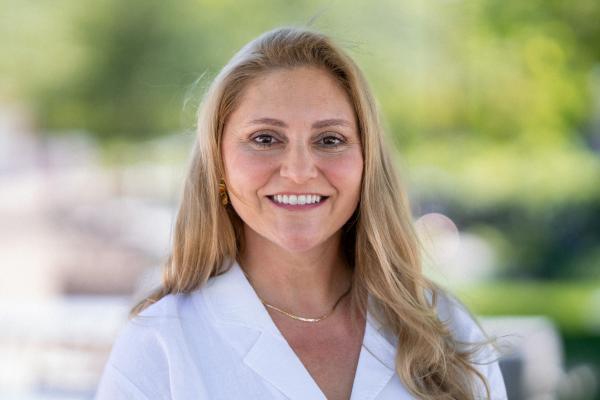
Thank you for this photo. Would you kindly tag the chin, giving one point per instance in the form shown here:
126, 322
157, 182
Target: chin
298, 244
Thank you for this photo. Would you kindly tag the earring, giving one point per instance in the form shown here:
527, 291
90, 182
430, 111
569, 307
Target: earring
223, 193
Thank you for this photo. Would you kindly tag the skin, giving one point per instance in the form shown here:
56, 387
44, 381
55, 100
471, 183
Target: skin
293, 258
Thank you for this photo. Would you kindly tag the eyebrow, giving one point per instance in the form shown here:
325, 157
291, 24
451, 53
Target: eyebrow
325, 123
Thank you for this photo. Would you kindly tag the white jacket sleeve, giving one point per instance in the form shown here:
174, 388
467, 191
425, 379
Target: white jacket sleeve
114, 385
137, 367
465, 329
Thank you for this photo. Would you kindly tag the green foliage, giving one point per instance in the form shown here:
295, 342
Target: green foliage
500, 71
573, 306
534, 178
134, 62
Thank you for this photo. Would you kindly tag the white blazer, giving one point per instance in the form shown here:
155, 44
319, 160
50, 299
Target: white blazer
219, 342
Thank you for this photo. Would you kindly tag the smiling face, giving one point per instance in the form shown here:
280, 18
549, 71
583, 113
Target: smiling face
293, 132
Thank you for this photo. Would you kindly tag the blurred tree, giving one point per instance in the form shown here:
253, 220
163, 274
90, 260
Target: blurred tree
143, 57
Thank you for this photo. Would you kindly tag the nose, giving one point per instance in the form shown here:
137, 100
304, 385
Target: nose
298, 164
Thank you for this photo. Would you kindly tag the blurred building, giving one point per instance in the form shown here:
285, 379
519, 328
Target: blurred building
76, 240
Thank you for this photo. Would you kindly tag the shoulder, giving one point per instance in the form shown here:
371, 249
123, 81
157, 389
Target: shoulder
458, 318
467, 331
138, 365
160, 322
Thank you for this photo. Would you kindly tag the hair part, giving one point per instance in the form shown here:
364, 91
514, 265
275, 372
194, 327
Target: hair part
379, 241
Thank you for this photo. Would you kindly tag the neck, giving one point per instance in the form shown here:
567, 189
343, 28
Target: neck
307, 283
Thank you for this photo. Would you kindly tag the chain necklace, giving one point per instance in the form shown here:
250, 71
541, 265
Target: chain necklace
297, 317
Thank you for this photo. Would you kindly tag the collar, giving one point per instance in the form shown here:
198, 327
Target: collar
235, 306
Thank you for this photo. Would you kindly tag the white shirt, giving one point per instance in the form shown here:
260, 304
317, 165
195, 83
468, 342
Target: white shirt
219, 342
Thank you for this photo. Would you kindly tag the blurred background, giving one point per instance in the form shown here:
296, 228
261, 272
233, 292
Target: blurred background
493, 105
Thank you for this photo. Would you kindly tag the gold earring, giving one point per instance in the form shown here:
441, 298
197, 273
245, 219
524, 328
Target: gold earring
223, 193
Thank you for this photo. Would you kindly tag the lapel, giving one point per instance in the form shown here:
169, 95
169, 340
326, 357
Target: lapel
246, 324
376, 363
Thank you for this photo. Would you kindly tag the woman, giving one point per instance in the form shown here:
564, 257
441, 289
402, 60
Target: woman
295, 270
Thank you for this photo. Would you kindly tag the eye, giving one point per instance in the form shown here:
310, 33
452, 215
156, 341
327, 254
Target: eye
332, 141
263, 140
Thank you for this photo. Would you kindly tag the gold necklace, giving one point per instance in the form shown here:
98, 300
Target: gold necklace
297, 317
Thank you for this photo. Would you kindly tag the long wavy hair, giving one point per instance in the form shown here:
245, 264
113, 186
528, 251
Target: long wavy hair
379, 241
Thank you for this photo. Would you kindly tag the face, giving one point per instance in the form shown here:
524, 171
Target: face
293, 133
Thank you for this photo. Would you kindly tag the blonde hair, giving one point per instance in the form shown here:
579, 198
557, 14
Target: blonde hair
379, 241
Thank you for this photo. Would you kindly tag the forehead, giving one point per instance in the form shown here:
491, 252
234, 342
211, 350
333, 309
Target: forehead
302, 93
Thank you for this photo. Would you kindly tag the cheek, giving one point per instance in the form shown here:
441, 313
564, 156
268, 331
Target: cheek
247, 170
345, 173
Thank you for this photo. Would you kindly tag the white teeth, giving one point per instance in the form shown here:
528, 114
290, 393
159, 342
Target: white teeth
297, 200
